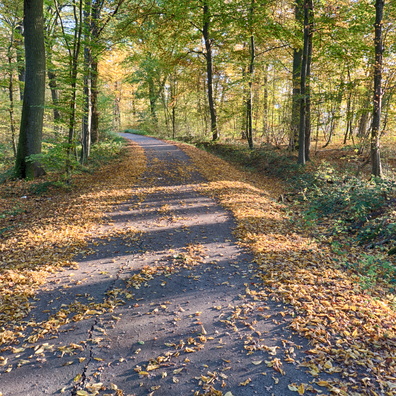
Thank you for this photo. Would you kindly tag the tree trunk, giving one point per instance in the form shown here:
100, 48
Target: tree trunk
249, 104
296, 83
209, 69
173, 87
153, 100
20, 61
52, 83
303, 150
265, 101
51, 74
95, 33
376, 168
11, 97
308, 86
87, 114
95, 136
74, 55
30, 136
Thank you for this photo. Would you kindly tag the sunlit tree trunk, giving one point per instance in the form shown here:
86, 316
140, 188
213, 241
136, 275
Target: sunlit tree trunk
209, 69
249, 104
296, 82
376, 168
265, 100
87, 114
11, 94
30, 136
74, 54
303, 148
95, 136
95, 33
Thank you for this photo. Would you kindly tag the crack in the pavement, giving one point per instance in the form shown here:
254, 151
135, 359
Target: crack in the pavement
84, 378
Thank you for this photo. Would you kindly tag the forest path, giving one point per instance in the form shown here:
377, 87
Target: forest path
174, 304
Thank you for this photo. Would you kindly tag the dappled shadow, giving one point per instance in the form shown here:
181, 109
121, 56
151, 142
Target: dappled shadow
165, 277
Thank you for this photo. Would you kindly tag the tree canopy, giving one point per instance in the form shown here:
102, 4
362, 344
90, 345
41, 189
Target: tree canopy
260, 70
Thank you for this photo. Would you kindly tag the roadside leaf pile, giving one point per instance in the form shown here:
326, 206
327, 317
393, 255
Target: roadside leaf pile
41, 234
351, 332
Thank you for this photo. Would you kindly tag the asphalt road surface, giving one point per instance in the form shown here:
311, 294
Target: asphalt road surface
174, 306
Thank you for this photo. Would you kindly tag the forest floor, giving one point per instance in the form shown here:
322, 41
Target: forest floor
170, 271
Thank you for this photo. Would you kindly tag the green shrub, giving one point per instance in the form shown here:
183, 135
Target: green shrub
350, 200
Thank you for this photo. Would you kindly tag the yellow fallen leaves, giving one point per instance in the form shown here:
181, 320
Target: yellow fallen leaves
353, 332
51, 230
244, 383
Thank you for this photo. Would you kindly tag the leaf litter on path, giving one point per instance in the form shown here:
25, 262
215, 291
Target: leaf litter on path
170, 312
350, 331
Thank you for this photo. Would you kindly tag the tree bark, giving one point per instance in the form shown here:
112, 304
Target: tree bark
87, 114
249, 104
308, 85
209, 69
11, 93
95, 34
376, 168
74, 54
296, 82
52, 83
30, 136
304, 129
20, 60
265, 101
95, 135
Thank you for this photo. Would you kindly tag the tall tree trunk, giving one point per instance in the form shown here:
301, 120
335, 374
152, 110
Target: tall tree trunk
11, 95
74, 55
265, 100
249, 104
87, 114
51, 73
173, 87
209, 69
305, 69
308, 86
296, 82
116, 108
153, 100
95, 33
20, 60
30, 136
376, 168
95, 136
